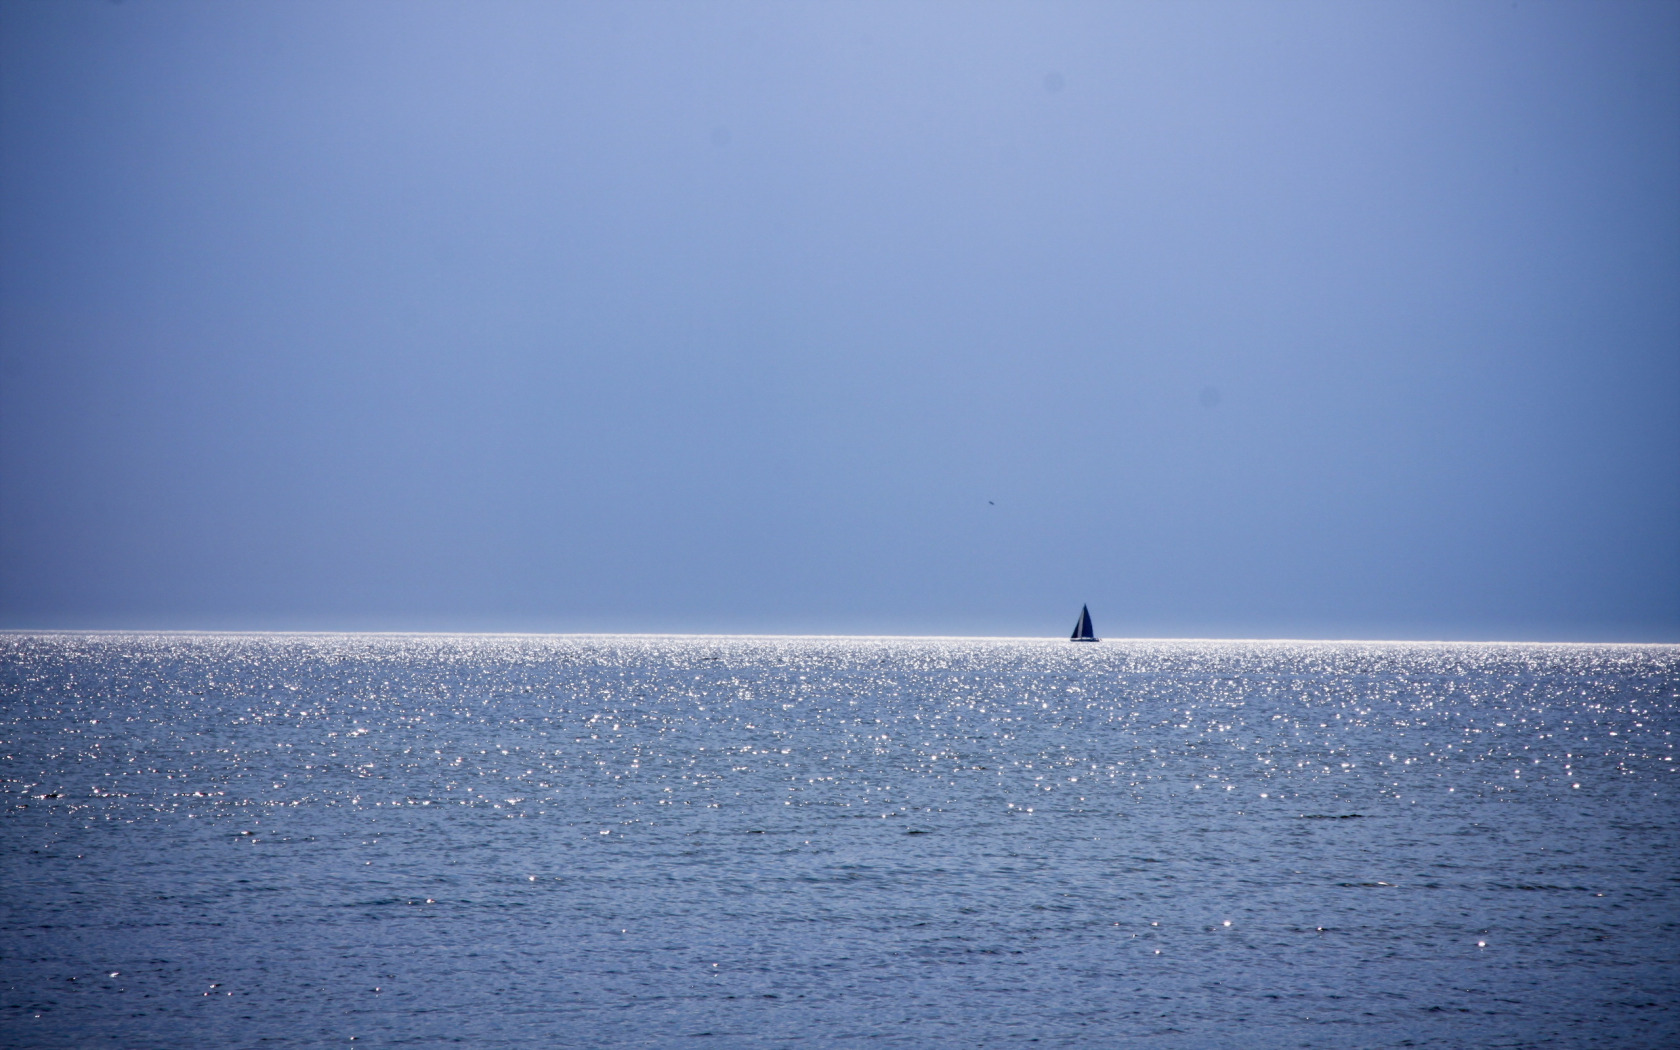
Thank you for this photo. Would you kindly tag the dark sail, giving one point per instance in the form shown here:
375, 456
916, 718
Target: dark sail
1082, 631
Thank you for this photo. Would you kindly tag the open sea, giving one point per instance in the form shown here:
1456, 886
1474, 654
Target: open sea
528, 841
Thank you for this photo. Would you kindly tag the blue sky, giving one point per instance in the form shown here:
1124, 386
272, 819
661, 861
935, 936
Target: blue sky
1275, 320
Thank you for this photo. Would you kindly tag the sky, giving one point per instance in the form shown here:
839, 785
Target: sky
1318, 320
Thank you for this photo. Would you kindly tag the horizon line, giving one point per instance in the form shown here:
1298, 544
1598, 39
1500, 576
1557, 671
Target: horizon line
318, 632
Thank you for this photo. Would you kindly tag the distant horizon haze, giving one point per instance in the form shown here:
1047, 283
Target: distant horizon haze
480, 632
1232, 321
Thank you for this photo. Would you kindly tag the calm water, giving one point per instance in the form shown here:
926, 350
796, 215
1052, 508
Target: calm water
219, 841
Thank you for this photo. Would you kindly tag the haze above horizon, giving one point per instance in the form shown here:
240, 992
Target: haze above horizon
1249, 320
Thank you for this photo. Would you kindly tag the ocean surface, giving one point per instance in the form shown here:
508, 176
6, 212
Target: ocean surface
415, 841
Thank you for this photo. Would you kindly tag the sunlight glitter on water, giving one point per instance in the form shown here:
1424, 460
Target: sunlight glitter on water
936, 831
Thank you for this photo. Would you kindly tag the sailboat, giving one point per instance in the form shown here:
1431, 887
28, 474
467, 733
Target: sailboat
1082, 631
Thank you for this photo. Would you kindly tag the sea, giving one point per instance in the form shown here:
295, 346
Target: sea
310, 840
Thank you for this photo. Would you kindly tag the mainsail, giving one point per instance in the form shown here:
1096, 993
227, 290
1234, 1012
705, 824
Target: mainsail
1082, 631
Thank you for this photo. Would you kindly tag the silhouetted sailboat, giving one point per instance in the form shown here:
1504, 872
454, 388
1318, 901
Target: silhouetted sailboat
1082, 631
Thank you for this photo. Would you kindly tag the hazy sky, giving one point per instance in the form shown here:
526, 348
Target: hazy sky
1269, 319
